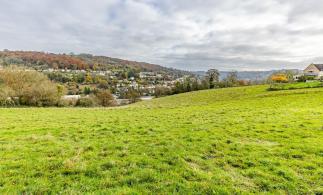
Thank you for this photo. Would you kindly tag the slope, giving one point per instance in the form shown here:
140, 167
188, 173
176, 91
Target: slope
237, 140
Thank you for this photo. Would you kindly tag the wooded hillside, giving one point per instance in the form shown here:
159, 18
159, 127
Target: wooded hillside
42, 60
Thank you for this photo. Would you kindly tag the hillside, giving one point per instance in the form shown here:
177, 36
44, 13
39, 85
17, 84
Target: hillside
234, 140
42, 60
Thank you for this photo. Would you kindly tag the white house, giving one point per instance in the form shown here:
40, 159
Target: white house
71, 97
312, 70
315, 70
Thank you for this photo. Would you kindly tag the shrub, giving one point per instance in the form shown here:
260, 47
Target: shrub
244, 82
162, 91
279, 78
87, 90
44, 94
67, 102
86, 102
131, 94
5, 99
105, 98
30, 87
103, 84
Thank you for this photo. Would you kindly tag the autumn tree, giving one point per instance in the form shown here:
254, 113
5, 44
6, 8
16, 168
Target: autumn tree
88, 78
44, 59
29, 87
103, 84
279, 78
105, 98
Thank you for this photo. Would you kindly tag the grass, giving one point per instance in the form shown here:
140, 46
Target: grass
237, 140
300, 85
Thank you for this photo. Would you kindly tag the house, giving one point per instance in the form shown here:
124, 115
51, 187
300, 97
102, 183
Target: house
315, 70
143, 75
146, 98
71, 97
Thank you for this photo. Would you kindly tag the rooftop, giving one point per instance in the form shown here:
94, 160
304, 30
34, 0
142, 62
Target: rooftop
319, 66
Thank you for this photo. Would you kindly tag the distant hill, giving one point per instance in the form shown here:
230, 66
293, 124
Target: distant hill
42, 60
248, 75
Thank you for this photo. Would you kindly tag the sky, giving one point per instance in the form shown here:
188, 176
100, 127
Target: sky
184, 34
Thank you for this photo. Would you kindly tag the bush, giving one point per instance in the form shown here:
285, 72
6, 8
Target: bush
87, 90
290, 86
5, 99
162, 91
279, 78
105, 98
103, 84
86, 102
131, 94
44, 94
67, 102
29, 88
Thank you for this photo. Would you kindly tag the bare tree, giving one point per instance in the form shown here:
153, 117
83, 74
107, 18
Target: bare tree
213, 76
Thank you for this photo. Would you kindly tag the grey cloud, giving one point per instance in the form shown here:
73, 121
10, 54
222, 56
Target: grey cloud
190, 61
186, 34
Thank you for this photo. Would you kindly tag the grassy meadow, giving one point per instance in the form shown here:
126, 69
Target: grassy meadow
234, 140
298, 85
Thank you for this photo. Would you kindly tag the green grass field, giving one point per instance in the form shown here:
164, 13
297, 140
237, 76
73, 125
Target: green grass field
299, 85
235, 140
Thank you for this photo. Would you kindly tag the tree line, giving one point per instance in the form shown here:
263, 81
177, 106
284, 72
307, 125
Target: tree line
19, 87
210, 81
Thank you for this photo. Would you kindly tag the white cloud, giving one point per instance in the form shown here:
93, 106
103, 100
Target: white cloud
186, 34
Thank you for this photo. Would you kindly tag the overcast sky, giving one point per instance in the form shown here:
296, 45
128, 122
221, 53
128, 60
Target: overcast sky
185, 34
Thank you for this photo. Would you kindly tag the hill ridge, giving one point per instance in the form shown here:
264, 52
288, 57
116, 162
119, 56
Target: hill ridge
45, 60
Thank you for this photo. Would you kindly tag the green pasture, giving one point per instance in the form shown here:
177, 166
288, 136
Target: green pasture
223, 141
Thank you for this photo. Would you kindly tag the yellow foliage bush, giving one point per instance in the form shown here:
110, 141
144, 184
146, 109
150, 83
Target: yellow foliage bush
279, 78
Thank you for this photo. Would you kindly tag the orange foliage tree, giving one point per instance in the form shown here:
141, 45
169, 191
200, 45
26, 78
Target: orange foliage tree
55, 61
279, 78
